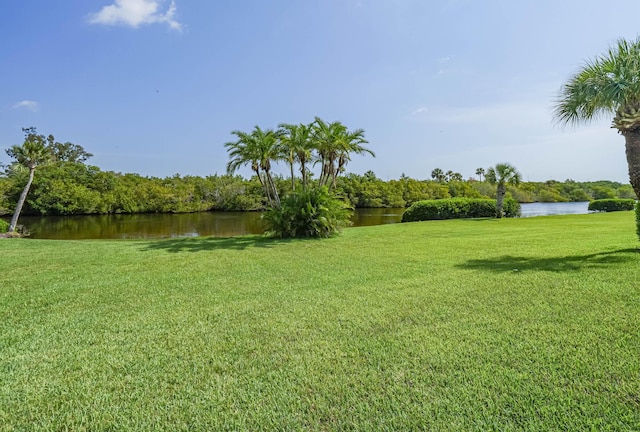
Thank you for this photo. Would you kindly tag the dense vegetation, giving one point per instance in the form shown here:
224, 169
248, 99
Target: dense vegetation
314, 212
68, 185
314, 208
74, 188
459, 208
445, 326
609, 205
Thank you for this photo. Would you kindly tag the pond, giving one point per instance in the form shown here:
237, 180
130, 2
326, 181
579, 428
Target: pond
214, 224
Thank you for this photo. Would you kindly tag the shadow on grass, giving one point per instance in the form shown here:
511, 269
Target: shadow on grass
201, 244
509, 263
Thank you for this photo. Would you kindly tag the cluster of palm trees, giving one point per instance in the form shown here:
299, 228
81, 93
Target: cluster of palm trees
329, 145
441, 177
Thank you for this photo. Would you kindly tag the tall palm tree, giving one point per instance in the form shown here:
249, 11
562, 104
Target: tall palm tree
258, 148
608, 85
334, 144
295, 146
501, 175
480, 172
31, 154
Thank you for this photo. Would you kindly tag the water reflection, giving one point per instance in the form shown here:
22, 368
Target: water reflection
377, 216
144, 226
214, 224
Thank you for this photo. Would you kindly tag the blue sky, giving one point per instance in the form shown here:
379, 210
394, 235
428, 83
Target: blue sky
156, 87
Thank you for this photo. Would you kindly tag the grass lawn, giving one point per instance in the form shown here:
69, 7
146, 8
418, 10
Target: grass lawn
521, 324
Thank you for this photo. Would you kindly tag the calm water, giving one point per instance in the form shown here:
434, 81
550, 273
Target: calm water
214, 224
548, 209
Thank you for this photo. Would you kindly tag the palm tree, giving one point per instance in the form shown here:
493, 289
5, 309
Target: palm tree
480, 172
608, 85
31, 154
295, 146
455, 176
334, 144
257, 148
350, 143
501, 175
438, 175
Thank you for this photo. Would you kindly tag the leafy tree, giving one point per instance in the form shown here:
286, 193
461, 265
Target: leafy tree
60, 152
609, 85
31, 154
68, 152
462, 189
501, 175
603, 192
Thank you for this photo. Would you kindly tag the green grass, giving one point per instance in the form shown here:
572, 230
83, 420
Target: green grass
526, 324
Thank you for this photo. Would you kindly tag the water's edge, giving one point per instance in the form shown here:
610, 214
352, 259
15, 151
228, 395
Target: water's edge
216, 224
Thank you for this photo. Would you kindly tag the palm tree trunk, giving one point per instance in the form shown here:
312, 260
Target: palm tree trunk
23, 198
303, 171
632, 148
265, 189
293, 181
273, 189
500, 193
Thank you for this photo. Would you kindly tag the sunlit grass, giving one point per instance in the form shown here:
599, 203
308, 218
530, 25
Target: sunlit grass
528, 324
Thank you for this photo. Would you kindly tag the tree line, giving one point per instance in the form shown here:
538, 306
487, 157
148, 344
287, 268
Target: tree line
67, 184
73, 187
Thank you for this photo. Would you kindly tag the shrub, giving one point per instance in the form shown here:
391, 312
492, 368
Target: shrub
457, 208
314, 213
611, 205
511, 208
4, 226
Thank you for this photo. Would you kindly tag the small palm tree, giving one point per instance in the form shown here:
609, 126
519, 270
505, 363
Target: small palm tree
609, 85
438, 175
455, 177
31, 154
501, 175
480, 172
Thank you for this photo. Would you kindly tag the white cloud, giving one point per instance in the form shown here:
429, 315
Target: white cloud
419, 111
28, 104
135, 13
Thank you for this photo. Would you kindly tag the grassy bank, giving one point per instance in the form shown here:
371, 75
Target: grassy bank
450, 325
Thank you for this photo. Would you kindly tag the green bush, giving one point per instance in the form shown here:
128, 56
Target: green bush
457, 208
611, 205
4, 226
314, 213
511, 208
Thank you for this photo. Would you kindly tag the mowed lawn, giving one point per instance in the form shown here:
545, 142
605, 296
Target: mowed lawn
522, 324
